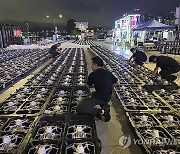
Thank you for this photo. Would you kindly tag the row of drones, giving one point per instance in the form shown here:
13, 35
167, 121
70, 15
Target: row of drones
40, 117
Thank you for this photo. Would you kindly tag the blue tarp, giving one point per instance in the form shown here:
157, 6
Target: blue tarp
153, 25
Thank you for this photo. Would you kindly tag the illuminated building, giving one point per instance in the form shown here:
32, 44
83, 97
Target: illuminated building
10, 34
123, 28
82, 26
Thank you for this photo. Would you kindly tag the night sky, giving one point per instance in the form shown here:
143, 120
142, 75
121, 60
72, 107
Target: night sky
96, 12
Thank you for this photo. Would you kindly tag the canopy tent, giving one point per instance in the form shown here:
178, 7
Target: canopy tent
153, 25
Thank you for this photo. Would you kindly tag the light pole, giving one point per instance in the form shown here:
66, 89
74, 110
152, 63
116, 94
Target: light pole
55, 27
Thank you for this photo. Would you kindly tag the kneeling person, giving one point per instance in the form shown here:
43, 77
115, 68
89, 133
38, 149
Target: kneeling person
102, 81
138, 57
54, 50
168, 66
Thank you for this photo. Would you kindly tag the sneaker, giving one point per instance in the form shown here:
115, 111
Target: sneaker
177, 79
106, 119
98, 117
106, 114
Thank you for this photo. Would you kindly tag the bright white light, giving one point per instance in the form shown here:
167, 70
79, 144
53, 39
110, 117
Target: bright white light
60, 16
47, 16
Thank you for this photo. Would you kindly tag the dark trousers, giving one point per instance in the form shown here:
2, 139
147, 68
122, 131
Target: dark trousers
54, 54
87, 106
166, 73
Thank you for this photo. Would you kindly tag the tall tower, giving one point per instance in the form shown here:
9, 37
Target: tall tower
26, 31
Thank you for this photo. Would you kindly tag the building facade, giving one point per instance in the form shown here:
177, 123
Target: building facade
9, 35
123, 28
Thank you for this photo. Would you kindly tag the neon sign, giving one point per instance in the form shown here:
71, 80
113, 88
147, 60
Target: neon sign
17, 33
130, 20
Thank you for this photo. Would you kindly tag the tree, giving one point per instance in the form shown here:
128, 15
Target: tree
70, 26
75, 32
26, 31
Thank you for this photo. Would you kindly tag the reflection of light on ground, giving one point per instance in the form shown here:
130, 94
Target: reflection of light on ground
124, 53
116, 48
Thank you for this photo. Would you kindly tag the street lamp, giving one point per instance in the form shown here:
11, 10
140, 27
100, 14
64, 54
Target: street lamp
55, 27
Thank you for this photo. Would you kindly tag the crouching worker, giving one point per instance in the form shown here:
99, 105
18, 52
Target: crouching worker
54, 50
138, 57
168, 66
102, 80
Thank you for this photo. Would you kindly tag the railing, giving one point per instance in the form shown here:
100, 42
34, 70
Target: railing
170, 47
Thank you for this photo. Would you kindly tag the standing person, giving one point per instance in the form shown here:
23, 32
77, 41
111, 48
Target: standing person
77, 38
102, 80
53, 50
168, 66
135, 39
138, 57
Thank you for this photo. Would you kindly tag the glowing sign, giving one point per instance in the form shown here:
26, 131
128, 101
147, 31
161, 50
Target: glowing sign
130, 20
17, 33
123, 23
135, 20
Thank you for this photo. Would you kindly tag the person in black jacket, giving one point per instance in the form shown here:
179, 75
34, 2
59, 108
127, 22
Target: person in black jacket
53, 50
168, 66
138, 57
102, 80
